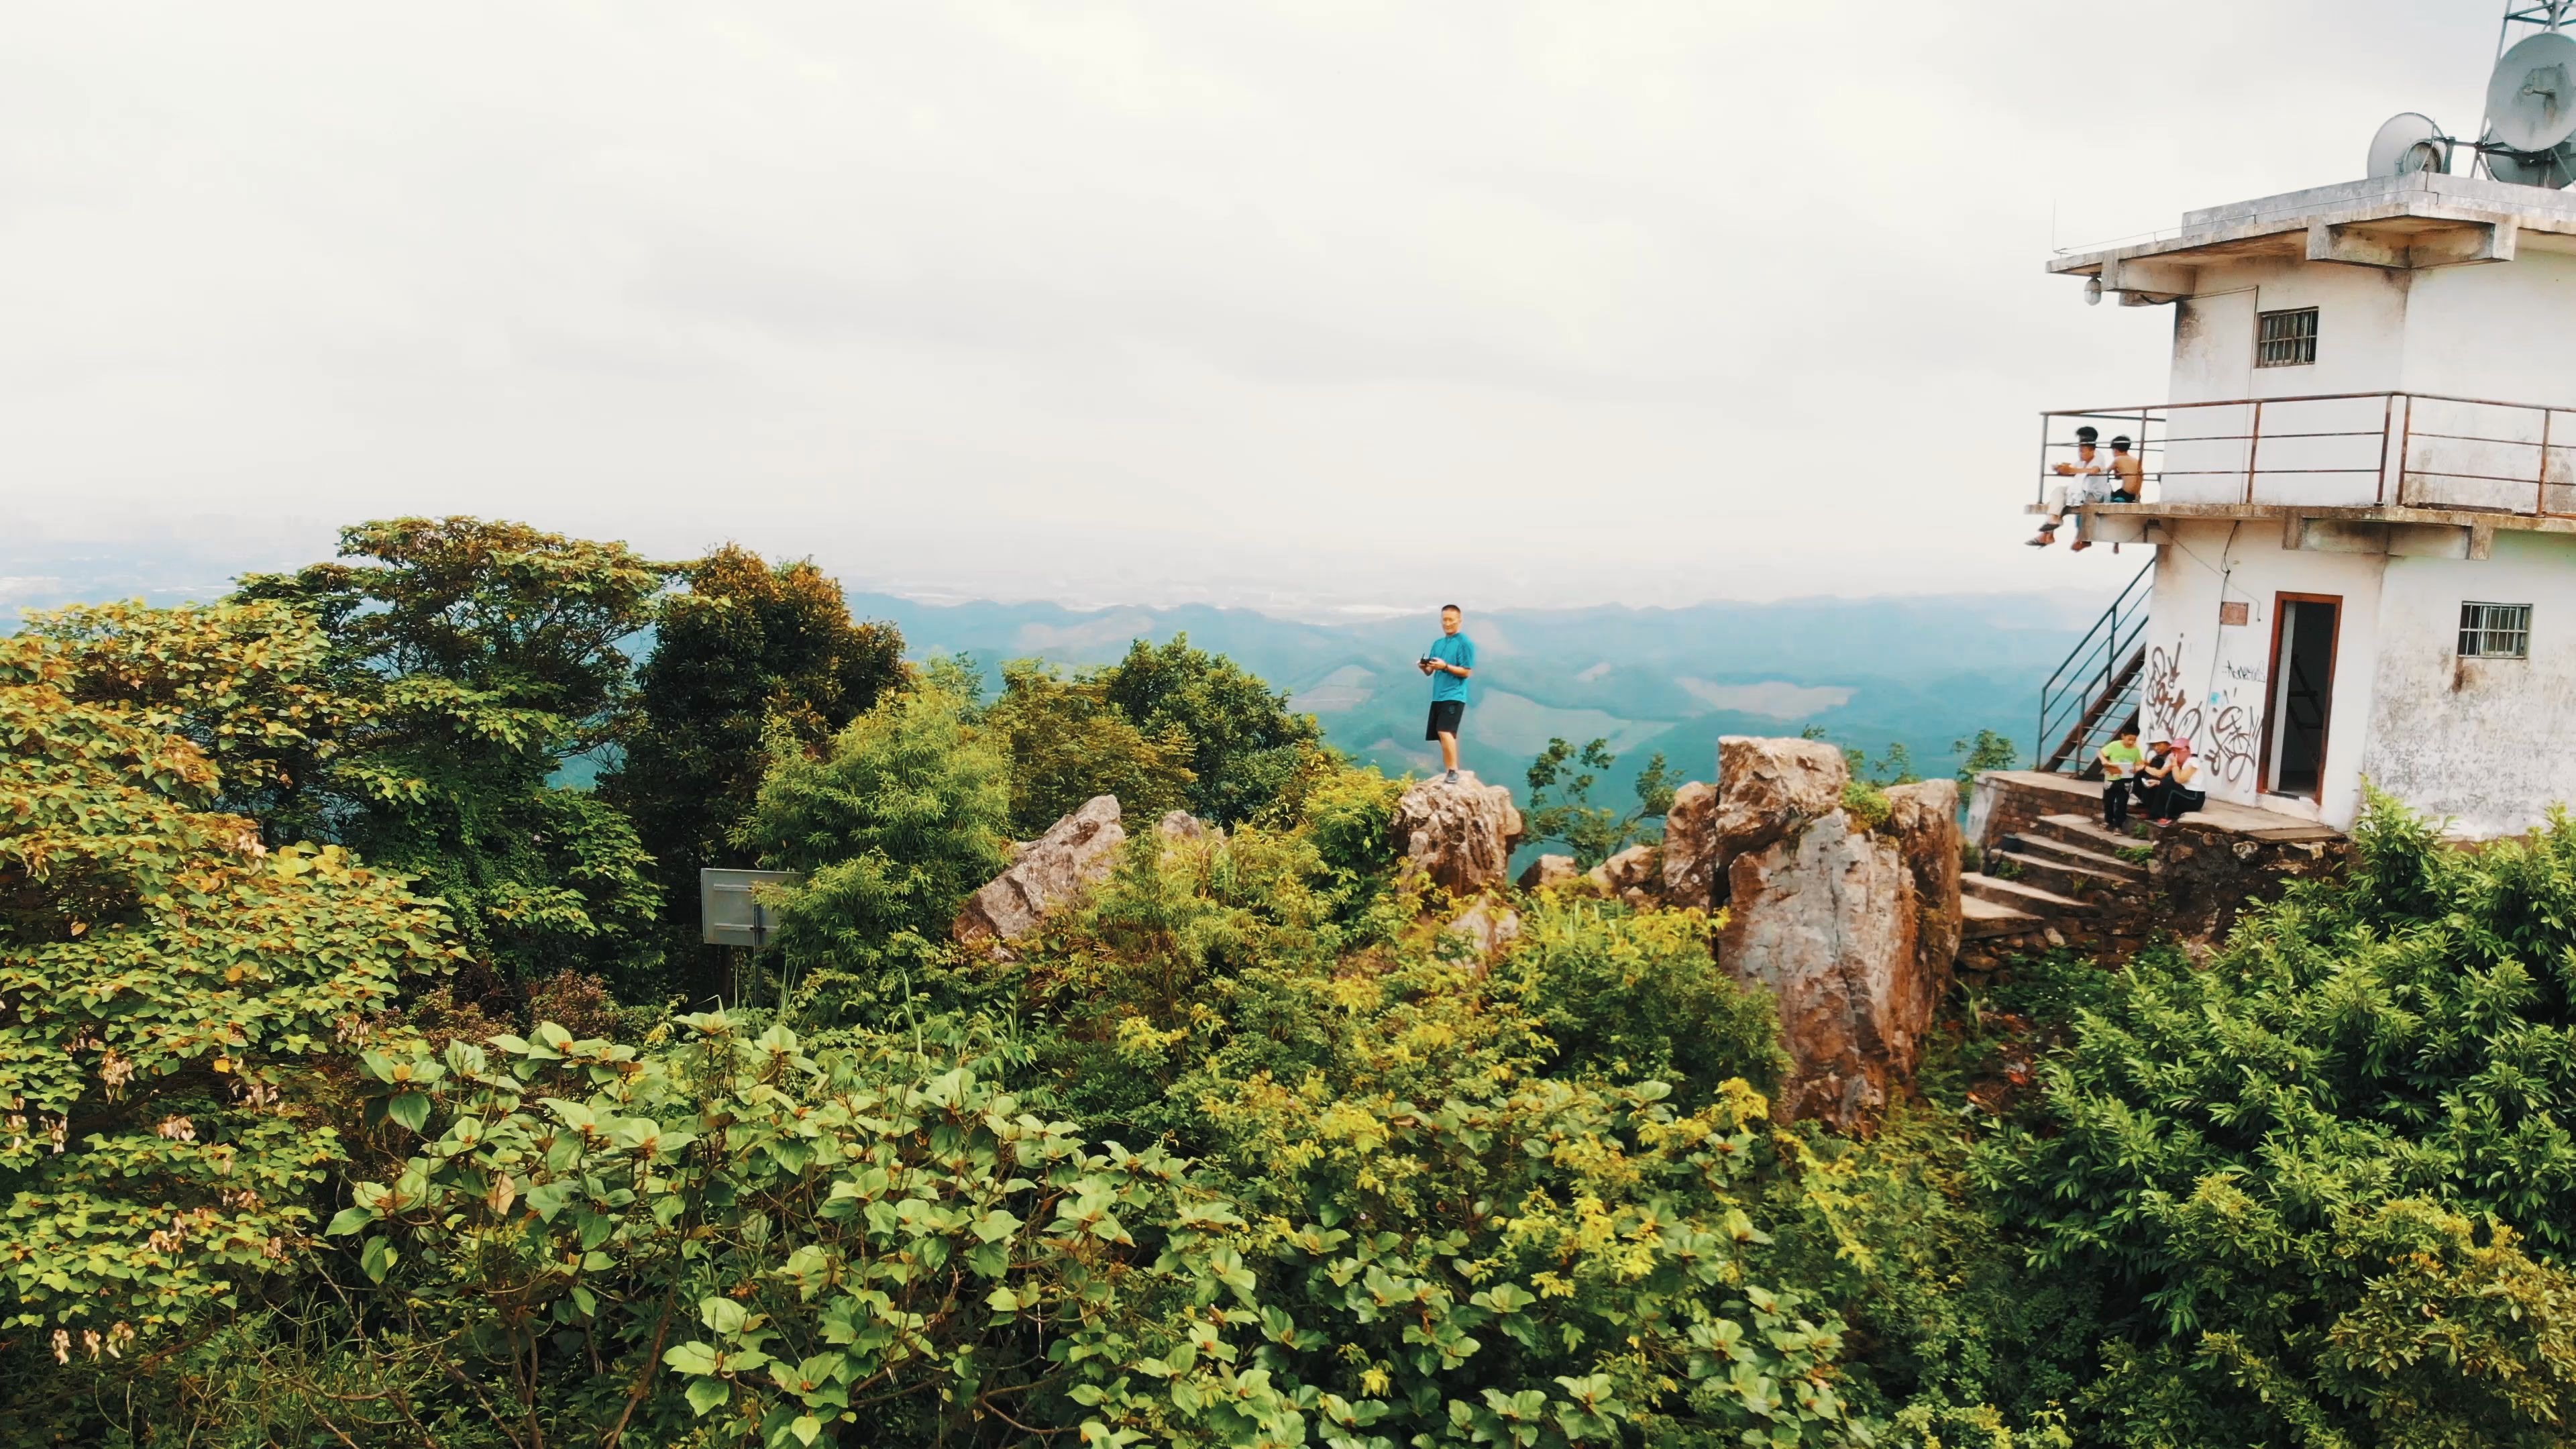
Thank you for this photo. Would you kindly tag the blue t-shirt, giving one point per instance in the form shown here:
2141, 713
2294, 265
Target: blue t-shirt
1455, 649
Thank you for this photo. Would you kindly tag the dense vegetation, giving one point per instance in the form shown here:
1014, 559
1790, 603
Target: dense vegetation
361, 1081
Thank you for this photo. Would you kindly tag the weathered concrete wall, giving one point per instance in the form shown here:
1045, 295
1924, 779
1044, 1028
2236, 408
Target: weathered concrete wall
2490, 743
2483, 331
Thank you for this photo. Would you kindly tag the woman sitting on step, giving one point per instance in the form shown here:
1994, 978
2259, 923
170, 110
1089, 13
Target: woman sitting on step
2165, 786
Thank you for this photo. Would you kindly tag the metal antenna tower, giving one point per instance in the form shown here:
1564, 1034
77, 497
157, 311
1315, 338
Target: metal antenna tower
2533, 16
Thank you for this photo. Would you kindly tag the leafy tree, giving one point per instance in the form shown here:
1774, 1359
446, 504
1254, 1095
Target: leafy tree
475, 658
171, 989
749, 647
903, 817
1988, 751
508, 616
1068, 743
1561, 808
249, 685
1245, 751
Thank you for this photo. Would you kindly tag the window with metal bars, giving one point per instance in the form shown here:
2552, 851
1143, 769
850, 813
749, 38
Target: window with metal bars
2495, 631
2286, 339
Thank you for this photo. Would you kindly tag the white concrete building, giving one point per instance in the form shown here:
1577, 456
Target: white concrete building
2361, 495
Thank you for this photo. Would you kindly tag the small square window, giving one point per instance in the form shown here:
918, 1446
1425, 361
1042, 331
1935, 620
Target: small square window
2287, 339
2495, 631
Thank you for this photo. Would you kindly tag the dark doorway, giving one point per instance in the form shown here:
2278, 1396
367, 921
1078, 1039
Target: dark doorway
2302, 683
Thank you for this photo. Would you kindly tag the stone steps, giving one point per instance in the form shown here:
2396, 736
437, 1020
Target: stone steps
2092, 862
2087, 832
1980, 918
2028, 899
2074, 880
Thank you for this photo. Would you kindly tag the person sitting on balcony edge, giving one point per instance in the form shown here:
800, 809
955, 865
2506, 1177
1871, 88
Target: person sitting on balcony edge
2168, 792
2119, 761
2081, 474
2128, 476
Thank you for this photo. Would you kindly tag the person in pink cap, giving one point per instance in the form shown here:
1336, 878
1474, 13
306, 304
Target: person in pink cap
2167, 792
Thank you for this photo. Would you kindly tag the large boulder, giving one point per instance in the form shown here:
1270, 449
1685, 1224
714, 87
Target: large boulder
1853, 930
1177, 826
1460, 835
1046, 875
1766, 790
1550, 872
1923, 820
1490, 926
1634, 875
1690, 846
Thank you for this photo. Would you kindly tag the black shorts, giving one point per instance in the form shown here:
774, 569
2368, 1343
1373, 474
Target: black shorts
1445, 714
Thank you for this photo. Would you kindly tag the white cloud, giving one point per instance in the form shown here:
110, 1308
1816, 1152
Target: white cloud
1526, 303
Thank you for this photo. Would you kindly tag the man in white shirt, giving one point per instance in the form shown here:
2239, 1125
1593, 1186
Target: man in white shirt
2081, 476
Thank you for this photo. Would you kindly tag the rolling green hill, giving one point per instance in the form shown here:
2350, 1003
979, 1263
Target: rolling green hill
1924, 671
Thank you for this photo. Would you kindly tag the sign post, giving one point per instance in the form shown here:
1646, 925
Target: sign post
730, 914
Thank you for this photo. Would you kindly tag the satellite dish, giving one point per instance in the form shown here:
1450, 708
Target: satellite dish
2408, 143
2552, 169
2531, 99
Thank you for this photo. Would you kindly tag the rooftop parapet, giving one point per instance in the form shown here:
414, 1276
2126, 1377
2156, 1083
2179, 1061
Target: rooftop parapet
2426, 219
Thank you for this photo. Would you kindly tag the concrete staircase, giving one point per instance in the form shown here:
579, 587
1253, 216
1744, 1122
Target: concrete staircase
2064, 874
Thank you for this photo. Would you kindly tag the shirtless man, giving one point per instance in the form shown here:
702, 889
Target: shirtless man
2128, 476
2080, 475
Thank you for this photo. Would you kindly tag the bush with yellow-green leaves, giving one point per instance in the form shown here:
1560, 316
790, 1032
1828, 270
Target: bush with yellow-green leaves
171, 992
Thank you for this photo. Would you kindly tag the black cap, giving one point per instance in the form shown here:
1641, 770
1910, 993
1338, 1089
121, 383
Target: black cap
2085, 435
2121, 442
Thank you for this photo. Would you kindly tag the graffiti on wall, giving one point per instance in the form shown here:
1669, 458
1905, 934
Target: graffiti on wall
2220, 729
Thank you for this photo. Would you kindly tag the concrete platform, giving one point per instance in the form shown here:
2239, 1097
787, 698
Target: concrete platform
2012, 800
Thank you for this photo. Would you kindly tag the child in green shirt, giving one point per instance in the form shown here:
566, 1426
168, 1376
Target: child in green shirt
2119, 760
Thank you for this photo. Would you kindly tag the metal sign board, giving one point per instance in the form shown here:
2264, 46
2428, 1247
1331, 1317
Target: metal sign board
729, 909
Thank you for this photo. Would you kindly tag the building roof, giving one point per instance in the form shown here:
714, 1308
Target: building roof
2425, 219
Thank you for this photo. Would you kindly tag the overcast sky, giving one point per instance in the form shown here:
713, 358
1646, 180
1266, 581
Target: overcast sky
1270, 304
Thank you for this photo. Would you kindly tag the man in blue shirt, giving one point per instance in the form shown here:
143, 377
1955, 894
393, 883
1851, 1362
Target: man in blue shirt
1449, 660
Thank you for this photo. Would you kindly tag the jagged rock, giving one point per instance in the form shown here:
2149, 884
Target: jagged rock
1767, 788
1461, 835
1634, 875
1690, 857
1550, 872
1182, 825
1852, 930
1047, 874
1490, 924
1923, 820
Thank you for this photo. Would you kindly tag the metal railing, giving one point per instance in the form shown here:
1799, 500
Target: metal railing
2330, 450
2095, 689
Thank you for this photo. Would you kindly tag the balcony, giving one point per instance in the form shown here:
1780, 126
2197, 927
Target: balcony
2349, 466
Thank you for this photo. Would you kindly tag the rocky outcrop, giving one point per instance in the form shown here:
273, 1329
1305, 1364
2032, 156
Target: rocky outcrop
1923, 821
1550, 872
1634, 875
1852, 929
1178, 825
1690, 846
1461, 835
1046, 875
1490, 925
1766, 789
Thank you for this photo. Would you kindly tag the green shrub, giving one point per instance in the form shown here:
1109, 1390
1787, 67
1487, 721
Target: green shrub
2325, 1181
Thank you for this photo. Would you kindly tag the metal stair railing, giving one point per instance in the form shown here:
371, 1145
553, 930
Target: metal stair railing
2094, 690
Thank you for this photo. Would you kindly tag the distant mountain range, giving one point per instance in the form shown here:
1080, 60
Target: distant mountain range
1920, 670
1923, 670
